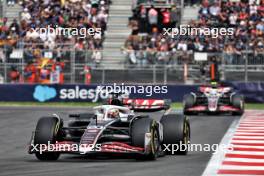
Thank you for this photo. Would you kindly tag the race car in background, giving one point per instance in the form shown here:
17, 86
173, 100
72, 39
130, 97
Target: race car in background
113, 129
213, 99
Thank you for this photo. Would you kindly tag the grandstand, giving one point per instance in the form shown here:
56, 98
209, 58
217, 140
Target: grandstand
131, 44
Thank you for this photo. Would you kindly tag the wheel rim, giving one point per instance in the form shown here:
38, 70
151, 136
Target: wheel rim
186, 138
155, 142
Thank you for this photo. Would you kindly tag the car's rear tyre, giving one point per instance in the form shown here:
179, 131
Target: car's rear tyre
188, 102
138, 130
238, 102
176, 131
47, 130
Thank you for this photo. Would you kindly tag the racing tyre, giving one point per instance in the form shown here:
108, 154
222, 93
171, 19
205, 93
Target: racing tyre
176, 133
138, 130
47, 129
188, 102
238, 102
167, 103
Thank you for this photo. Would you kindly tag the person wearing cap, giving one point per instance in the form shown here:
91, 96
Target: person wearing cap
30, 73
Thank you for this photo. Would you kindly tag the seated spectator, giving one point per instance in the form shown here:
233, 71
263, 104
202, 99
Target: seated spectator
97, 56
30, 73
246, 18
74, 14
14, 75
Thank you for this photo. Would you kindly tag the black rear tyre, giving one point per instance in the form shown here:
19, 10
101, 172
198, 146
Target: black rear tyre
47, 130
238, 102
138, 130
188, 102
176, 131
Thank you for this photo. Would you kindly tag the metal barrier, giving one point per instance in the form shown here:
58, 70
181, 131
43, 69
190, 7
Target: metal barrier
175, 67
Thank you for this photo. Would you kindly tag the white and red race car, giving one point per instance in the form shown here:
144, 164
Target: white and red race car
213, 99
113, 128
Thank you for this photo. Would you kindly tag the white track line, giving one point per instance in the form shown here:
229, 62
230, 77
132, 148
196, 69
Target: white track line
246, 133
248, 141
252, 122
246, 153
249, 146
241, 136
248, 137
251, 128
251, 125
233, 175
234, 167
246, 160
217, 158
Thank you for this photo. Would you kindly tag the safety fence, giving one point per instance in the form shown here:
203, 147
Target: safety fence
253, 92
83, 66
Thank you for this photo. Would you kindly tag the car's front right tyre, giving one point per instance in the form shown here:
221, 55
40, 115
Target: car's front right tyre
188, 102
176, 134
238, 102
46, 132
138, 131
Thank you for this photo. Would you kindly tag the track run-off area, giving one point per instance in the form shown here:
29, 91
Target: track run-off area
246, 134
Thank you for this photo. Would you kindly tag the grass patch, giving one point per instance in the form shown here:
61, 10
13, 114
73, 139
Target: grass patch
255, 106
89, 104
51, 104
248, 106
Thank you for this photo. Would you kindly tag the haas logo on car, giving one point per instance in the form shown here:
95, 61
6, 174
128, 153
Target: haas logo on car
144, 104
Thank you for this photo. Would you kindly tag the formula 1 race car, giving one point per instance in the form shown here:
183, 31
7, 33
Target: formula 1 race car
111, 129
213, 99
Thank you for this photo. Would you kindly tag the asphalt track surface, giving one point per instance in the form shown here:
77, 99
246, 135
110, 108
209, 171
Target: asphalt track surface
17, 124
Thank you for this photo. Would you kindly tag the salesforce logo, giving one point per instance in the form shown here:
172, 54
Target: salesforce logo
93, 94
44, 93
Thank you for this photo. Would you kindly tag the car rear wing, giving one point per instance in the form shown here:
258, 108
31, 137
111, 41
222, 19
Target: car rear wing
147, 104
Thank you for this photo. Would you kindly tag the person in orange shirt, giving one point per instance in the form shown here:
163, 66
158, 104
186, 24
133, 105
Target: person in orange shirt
44, 75
14, 75
87, 75
30, 73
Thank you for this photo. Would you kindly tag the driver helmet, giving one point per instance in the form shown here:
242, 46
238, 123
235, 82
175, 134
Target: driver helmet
113, 113
214, 84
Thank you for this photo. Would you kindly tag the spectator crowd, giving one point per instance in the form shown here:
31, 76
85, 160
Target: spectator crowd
146, 44
70, 14
246, 17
